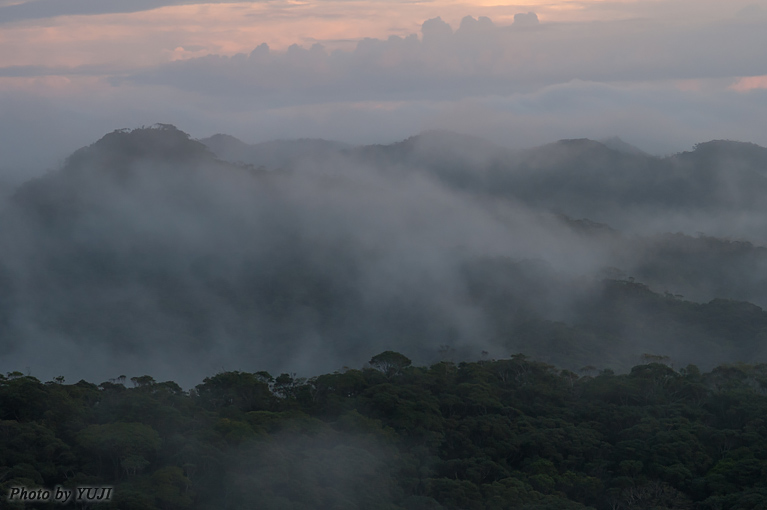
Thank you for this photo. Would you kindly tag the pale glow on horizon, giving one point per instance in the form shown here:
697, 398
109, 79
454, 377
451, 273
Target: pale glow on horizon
152, 37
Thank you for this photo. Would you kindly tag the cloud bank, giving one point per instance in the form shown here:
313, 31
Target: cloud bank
661, 82
477, 59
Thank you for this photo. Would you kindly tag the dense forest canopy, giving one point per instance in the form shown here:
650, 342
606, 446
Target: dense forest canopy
510, 433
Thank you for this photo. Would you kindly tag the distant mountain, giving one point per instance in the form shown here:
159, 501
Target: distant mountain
227, 147
718, 185
123, 163
609, 181
271, 155
619, 145
718, 152
150, 252
435, 147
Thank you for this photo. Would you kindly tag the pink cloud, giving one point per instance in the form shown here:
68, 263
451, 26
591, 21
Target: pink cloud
748, 83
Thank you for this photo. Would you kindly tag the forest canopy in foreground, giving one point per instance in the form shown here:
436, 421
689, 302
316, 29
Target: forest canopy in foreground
497, 434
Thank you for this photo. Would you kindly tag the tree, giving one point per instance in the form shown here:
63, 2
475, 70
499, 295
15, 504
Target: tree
243, 390
120, 442
390, 363
142, 381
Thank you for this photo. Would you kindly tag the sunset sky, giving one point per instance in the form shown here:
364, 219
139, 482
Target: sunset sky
661, 74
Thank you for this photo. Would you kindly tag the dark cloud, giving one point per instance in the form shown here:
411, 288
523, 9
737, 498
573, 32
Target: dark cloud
30, 71
39, 9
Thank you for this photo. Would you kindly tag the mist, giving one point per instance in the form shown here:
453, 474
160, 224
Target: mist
183, 265
146, 253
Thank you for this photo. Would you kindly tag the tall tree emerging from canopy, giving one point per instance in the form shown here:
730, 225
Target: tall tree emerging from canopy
390, 362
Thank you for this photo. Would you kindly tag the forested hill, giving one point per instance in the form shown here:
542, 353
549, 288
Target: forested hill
501, 434
604, 182
146, 253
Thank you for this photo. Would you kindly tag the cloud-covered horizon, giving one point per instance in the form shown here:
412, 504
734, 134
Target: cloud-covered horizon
515, 76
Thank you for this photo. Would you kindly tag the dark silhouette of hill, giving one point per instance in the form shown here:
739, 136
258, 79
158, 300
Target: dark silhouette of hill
610, 182
121, 148
730, 174
717, 151
712, 189
119, 161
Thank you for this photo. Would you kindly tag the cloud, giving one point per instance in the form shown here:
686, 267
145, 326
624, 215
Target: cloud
477, 59
659, 85
146, 255
522, 19
747, 83
39, 9
436, 31
751, 11
38, 70
303, 271
657, 117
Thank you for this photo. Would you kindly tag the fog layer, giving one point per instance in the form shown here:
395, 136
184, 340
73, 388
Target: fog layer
145, 253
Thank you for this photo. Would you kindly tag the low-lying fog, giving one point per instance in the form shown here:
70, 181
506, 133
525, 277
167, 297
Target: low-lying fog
148, 254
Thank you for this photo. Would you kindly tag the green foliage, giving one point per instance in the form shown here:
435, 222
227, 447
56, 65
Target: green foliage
119, 442
494, 435
241, 390
390, 363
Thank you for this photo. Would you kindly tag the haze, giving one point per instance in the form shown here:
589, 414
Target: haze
396, 184
660, 74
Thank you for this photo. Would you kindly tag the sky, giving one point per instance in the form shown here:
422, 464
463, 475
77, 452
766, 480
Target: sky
661, 74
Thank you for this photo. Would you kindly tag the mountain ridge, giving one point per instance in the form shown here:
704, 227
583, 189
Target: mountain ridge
146, 249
